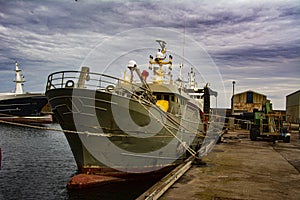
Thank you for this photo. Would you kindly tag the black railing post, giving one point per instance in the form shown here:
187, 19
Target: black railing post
62, 79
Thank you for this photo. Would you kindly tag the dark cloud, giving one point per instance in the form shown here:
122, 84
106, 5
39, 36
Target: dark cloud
260, 53
51, 35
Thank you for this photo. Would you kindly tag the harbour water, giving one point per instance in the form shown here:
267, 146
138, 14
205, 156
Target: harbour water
37, 164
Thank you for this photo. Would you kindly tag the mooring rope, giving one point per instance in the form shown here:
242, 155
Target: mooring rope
176, 126
189, 149
52, 129
90, 133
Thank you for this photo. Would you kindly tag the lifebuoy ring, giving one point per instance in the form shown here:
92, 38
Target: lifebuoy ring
110, 88
69, 84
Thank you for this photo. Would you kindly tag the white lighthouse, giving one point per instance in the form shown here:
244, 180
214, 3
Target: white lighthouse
19, 80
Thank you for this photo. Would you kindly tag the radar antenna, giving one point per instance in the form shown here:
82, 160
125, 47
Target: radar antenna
162, 45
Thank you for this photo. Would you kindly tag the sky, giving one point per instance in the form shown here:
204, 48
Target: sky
254, 43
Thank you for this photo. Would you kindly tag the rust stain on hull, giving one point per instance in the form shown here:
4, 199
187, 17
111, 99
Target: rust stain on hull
85, 180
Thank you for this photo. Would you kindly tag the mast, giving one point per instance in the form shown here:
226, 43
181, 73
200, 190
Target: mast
180, 78
191, 79
19, 80
160, 61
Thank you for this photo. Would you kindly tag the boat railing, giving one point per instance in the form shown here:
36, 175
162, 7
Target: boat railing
90, 80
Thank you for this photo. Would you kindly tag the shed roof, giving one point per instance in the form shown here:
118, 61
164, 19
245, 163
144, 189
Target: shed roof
293, 93
250, 91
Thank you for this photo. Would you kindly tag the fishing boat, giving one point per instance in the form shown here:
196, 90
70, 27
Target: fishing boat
18, 106
129, 125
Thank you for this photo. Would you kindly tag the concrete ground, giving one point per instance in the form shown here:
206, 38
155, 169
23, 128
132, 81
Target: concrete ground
242, 169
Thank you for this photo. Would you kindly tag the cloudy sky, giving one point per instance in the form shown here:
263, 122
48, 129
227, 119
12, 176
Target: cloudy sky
255, 43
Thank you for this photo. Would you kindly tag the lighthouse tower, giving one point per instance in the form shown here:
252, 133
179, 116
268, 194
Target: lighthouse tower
19, 80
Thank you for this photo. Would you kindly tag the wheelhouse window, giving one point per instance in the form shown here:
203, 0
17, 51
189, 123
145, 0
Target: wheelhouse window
166, 97
172, 98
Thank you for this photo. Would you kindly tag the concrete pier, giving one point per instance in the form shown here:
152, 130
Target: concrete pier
242, 169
